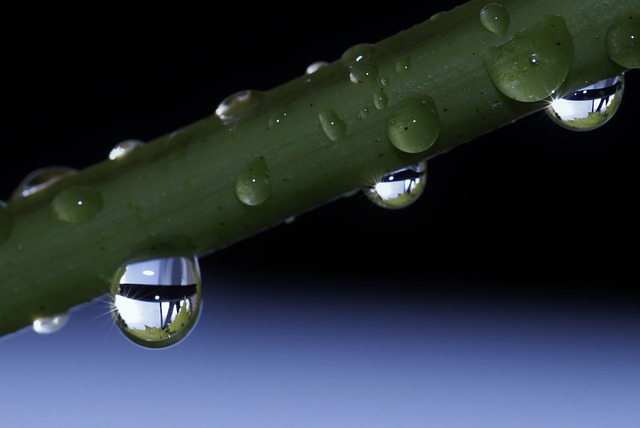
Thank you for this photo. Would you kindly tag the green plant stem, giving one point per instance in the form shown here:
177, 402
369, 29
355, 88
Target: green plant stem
176, 195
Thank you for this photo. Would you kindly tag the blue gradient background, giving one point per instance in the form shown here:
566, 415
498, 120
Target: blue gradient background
505, 297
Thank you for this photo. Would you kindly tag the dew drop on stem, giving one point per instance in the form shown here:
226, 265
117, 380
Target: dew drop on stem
123, 148
253, 183
39, 179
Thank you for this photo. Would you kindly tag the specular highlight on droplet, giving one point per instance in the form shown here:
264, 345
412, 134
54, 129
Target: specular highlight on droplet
52, 324
414, 126
123, 148
156, 303
399, 188
533, 65
41, 178
494, 17
253, 184
590, 107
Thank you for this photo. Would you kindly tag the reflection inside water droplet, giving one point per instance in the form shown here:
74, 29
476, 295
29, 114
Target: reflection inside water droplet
123, 148
400, 188
40, 179
235, 105
590, 107
315, 66
156, 303
47, 325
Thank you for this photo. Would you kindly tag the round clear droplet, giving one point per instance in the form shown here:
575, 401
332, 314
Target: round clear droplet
253, 184
238, 104
40, 179
76, 204
414, 127
494, 17
123, 148
333, 127
48, 325
400, 188
623, 41
590, 107
156, 303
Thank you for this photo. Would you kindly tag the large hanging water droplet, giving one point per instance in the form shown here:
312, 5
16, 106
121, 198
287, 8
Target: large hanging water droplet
156, 303
48, 325
413, 127
40, 179
5, 221
237, 104
623, 41
590, 107
76, 204
123, 148
399, 188
534, 64
253, 184
333, 127
494, 17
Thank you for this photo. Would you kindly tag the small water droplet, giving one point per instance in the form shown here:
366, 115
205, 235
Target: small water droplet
399, 188
237, 104
384, 81
534, 64
413, 127
253, 184
156, 303
40, 179
278, 118
380, 99
123, 148
315, 66
6, 221
48, 325
494, 17
590, 107
76, 204
363, 71
403, 64
333, 127
623, 41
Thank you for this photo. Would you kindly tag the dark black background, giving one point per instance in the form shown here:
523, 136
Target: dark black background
530, 211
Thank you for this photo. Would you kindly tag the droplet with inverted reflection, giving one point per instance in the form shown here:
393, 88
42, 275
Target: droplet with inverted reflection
156, 303
40, 179
123, 148
399, 188
590, 107
47, 325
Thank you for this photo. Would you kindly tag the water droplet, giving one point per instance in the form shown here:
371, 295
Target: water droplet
253, 184
48, 325
76, 204
334, 127
5, 221
403, 64
156, 303
237, 104
534, 64
357, 53
400, 188
363, 71
315, 66
380, 99
623, 41
590, 107
40, 179
123, 148
277, 118
413, 127
494, 17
